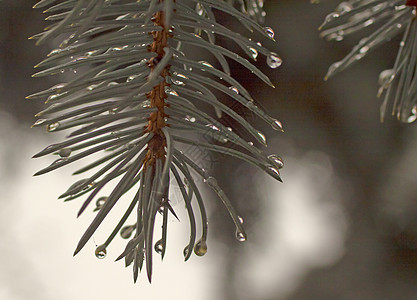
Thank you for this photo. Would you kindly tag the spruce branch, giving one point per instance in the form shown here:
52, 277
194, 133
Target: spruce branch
390, 18
137, 93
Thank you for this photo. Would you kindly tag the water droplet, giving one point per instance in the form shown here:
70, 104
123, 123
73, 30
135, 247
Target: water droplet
39, 122
234, 89
170, 91
277, 125
344, 7
332, 69
364, 50
177, 81
250, 143
240, 219
200, 248
65, 152
145, 104
101, 252
190, 119
413, 115
100, 202
253, 52
130, 78
213, 127
204, 63
276, 160
386, 76
199, 9
262, 137
211, 181
186, 251
126, 231
273, 171
273, 60
159, 247
270, 32
52, 97
240, 236
52, 126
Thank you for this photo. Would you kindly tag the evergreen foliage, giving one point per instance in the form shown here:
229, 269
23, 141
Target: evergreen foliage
390, 18
139, 93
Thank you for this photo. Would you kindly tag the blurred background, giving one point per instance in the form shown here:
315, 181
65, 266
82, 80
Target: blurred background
341, 226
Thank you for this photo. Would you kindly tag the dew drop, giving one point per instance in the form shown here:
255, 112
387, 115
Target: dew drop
277, 125
101, 252
250, 143
273, 60
211, 181
200, 248
130, 78
190, 119
204, 63
170, 91
273, 171
386, 76
234, 89
65, 152
270, 32
39, 122
413, 115
240, 236
52, 97
126, 231
199, 9
186, 251
253, 52
159, 247
276, 160
52, 126
262, 137
100, 202
332, 69
344, 7
240, 219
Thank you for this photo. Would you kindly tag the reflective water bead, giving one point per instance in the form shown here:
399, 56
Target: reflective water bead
204, 63
276, 160
100, 202
240, 219
101, 252
270, 32
262, 137
200, 248
52, 126
234, 89
65, 152
199, 9
126, 231
413, 115
211, 181
277, 125
344, 7
190, 119
332, 69
240, 236
159, 247
274, 172
273, 60
386, 76
39, 122
186, 251
253, 52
